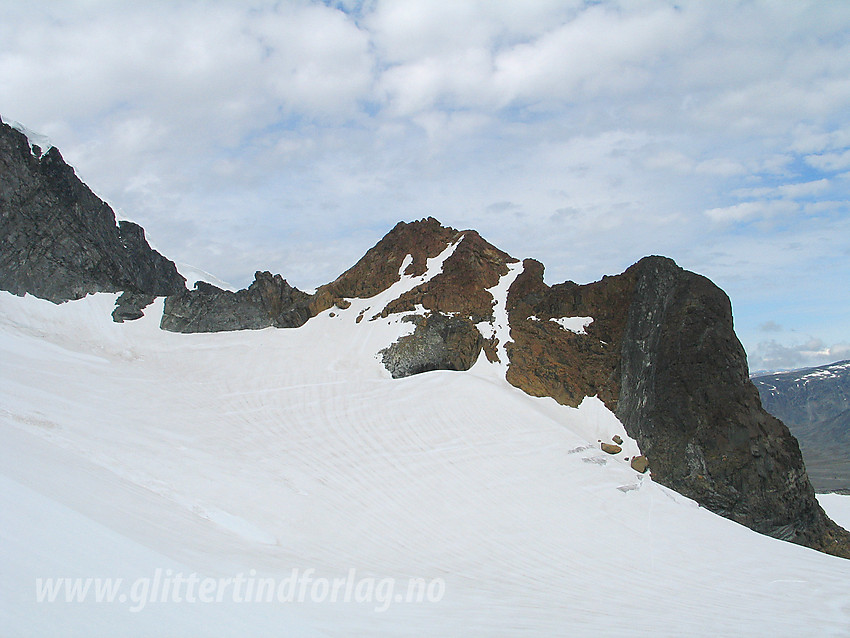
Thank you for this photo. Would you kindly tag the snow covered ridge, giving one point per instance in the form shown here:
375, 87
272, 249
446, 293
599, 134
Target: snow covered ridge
42, 142
468, 312
832, 371
827, 371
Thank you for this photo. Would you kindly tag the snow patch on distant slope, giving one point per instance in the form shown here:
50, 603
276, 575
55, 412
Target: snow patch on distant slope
826, 372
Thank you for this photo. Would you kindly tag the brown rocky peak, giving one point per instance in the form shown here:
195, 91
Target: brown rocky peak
461, 287
473, 266
548, 360
379, 268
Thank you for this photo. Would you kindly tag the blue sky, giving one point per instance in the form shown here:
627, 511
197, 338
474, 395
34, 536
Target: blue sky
291, 135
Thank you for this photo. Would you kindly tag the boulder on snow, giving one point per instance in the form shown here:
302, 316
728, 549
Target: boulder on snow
640, 464
439, 342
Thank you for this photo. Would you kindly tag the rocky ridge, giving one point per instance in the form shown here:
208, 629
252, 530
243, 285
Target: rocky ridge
59, 241
268, 302
656, 343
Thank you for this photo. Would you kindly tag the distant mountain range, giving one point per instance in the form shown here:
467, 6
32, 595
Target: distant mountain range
655, 344
815, 405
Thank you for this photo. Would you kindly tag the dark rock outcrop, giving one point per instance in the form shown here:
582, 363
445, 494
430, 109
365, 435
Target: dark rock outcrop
815, 405
59, 241
130, 306
662, 354
439, 342
686, 397
268, 302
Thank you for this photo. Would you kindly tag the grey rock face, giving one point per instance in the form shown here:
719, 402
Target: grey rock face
268, 301
131, 306
59, 241
439, 342
686, 397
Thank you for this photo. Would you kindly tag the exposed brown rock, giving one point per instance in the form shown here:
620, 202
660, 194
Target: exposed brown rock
379, 268
545, 359
640, 464
611, 448
617, 439
460, 289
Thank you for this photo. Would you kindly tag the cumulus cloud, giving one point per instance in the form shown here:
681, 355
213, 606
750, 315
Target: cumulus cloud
770, 326
772, 355
291, 134
830, 161
747, 211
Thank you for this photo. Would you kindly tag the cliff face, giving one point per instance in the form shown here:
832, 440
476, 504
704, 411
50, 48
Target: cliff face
661, 352
567, 365
686, 397
59, 241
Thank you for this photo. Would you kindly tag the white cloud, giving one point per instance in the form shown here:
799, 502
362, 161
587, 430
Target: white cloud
830, 161
810, 139
798, 190
772, 355
720, 166
266, 134
749, 211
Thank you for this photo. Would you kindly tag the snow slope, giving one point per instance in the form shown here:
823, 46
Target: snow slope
837, 506
125, 450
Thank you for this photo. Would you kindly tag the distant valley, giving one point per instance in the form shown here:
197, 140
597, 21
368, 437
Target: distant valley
815, 405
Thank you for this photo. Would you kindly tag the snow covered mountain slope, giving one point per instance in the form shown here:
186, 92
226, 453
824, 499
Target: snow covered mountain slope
655, 344
815, 405
130, 452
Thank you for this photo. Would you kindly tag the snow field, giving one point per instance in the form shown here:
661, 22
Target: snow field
126, 449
